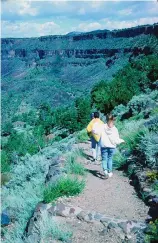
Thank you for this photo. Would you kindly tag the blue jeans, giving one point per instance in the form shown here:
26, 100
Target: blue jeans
95, 148
107, 155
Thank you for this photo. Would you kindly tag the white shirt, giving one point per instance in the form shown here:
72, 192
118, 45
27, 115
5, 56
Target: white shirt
110, 137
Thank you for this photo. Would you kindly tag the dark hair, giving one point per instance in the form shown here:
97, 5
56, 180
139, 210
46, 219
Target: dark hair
96, 114
110, 117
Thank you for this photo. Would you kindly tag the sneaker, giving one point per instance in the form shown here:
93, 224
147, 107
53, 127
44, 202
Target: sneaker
105, 172
110, 174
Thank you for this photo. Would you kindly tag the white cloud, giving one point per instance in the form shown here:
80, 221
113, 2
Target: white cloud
25, 8
110, 24
88, 26
29, 29
125, 12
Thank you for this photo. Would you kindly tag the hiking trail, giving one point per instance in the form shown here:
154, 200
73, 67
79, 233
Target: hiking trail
113, 197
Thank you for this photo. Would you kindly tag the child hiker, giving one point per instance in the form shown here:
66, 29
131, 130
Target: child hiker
94, 131
109, 139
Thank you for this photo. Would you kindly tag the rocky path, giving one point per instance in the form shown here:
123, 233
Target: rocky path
113, 197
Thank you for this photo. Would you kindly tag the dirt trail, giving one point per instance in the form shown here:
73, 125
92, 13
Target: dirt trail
113, 197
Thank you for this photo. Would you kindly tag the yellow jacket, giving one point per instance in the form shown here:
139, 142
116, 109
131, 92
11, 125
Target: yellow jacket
90, 128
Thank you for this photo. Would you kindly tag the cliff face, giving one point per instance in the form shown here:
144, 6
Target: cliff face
62, 67
76, 46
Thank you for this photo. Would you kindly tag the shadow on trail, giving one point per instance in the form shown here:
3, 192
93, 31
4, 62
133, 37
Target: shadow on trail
97, 174
88, 157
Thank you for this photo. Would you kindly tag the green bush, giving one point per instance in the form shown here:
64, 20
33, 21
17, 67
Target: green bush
119, 160
7, 128
82, 136
131, 133
5, 162
119, 110
152, 232
73, 166
64, 187
133, 79
152, 176
21, 144
148, 146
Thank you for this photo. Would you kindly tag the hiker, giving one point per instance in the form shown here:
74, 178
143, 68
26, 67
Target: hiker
94, 131
109, 139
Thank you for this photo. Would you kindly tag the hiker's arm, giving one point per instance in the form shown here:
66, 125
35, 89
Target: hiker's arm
118, 140
89, 129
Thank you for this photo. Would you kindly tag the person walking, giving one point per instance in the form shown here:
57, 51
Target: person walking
109, 140
94, 129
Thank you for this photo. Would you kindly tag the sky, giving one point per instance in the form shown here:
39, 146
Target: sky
32, 18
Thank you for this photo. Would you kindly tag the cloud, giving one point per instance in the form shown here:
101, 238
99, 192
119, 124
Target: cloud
25, 8
110, 24
88, 27
125, 12
29, 29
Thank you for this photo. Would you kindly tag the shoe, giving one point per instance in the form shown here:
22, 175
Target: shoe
105, 172
110, 174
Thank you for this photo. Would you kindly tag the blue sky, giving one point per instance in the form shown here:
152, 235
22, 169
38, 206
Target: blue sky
21, 18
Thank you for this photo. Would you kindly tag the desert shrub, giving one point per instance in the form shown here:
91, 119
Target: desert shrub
119, 110
152, 123
140, 103
51, 230
131, 133
148, 146
82, 136
64, 187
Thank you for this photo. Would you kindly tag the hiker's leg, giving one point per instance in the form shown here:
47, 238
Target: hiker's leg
94, 144
111, 152
98, 150
104, 156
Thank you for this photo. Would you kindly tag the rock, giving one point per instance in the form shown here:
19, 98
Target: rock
63, 210
54, 172
87, 216
124, 227
98, 216
112, 225
105, 221
5, 219
147, 189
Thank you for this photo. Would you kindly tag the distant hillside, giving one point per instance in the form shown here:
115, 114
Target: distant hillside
56, 69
